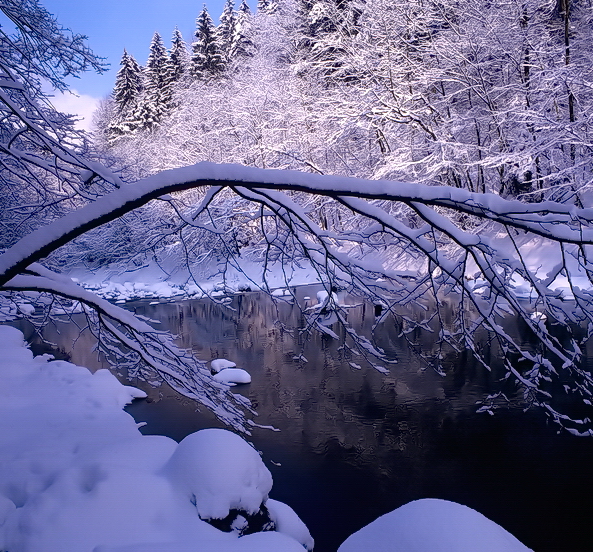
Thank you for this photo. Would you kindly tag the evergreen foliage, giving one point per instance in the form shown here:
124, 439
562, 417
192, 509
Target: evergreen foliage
226, 30
157, 82
207, 59
178, 56
242, 44
126, 94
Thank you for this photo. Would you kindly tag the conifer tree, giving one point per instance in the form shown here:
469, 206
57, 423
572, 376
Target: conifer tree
207, 60
126, 94
156, 99
242, 44
179, 57
226, 30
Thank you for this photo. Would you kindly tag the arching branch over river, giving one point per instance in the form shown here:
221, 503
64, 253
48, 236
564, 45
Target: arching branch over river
488, 255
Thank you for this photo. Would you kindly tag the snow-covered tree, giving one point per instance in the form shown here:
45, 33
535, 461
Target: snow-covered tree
242, 44
45, 165
128, 85
207, 58
41, 49
325, 28
157, 83
226, 30
126, 95
179, 57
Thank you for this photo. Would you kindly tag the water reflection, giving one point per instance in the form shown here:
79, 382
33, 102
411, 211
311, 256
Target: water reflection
355, 444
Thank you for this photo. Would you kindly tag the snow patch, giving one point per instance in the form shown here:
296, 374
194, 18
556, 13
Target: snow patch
219, 364
76, 474
288, 522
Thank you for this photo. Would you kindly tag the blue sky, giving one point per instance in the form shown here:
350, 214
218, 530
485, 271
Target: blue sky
111, 26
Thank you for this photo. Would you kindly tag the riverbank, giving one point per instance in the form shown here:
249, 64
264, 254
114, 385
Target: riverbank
77, 476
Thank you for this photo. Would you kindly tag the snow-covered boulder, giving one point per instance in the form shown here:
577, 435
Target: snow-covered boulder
219, 364
289, 523
432, 525
218, 471
232, 376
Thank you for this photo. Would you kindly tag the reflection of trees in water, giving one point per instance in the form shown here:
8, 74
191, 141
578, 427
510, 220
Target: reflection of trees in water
325, 405
358, 443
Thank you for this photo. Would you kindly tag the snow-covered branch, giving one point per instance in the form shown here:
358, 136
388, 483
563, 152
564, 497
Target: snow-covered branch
483, 273
120, 333
555, 221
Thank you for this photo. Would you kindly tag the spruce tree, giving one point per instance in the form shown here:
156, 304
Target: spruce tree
178, 56
242, 44
128, 84
126, 93
226, 30
207, 60
156, 99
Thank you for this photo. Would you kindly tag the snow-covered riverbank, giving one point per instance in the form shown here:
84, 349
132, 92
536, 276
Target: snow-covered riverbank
76, 475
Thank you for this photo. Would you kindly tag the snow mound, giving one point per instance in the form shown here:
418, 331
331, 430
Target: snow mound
433, 525
232, 376
119, 394
219, 364
289, 523
12, 338
218, 471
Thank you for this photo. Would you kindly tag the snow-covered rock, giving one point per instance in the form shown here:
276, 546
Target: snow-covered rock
432, 525
288, 522
219, 364
324, 298
232, 376
281, 292
218, 471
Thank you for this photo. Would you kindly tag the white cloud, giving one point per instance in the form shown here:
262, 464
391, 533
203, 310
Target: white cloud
74, 103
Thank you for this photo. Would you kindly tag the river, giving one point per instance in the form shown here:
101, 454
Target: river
356, 443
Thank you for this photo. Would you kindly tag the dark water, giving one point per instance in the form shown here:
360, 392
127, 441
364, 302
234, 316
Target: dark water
356, 444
